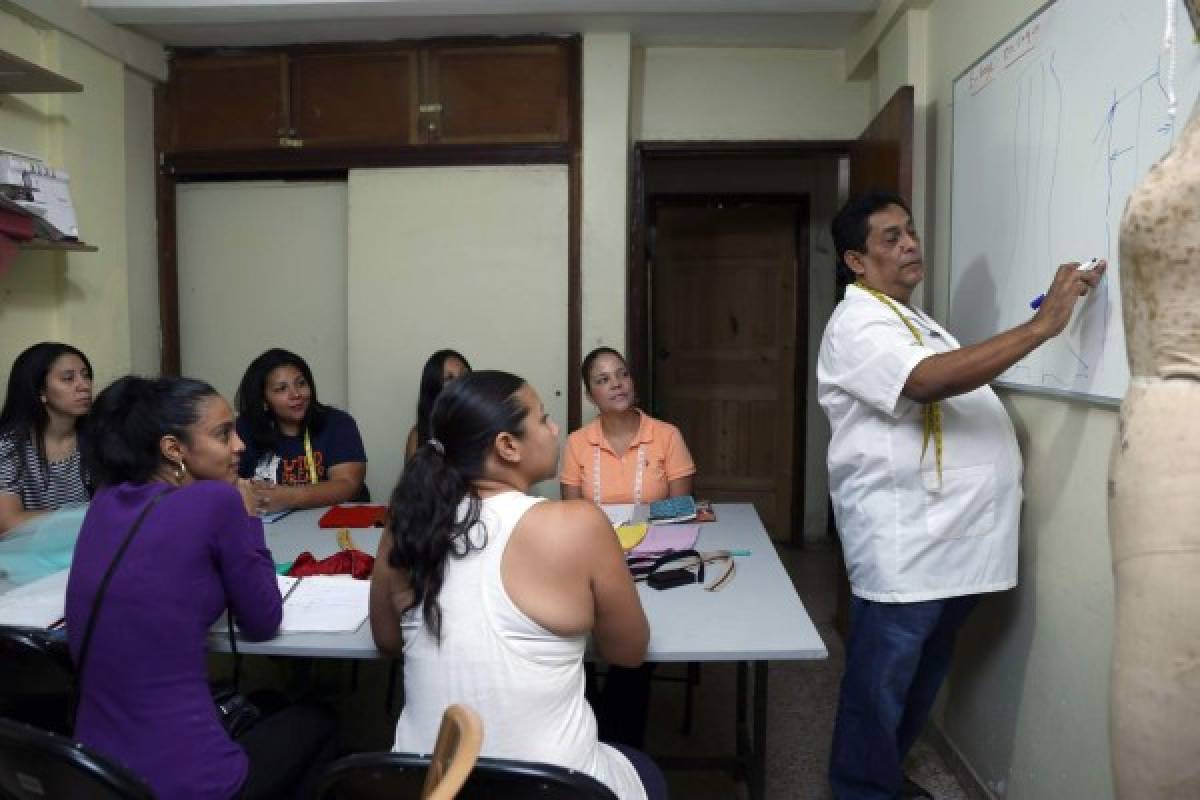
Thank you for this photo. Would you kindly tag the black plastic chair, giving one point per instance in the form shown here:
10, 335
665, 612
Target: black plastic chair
401, 776
36, 765
39, 679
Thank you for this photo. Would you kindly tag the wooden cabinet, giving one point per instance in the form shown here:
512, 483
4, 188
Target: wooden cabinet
227, 102
496, 94
370, 97
354, 99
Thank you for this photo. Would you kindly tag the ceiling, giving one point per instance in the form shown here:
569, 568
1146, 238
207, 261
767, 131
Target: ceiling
817, 24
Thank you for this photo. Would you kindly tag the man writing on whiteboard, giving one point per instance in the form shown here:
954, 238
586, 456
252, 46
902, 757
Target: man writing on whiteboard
925, 477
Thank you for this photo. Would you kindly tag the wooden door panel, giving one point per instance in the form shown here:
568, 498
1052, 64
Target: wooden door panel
724, 347
498, 93
227, 103
881, 158
355, 99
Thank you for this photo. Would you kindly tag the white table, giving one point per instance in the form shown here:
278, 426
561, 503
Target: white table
756, 619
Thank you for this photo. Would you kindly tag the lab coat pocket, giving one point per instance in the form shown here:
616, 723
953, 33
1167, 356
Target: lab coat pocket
964, 506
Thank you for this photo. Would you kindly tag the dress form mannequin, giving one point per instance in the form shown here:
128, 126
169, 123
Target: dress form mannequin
1154, 484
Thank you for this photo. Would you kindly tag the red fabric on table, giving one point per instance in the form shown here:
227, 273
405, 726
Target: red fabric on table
343, 562
353, 517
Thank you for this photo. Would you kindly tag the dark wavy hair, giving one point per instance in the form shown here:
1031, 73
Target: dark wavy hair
585, 369
423, 514
24, 416
431, 387
251, 398
849, 226
129, 419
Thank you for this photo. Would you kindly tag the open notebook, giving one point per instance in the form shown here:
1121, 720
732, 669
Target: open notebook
38, 604
318, 604
323, 603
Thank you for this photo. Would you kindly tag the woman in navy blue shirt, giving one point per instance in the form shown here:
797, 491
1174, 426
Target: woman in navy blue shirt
300, 453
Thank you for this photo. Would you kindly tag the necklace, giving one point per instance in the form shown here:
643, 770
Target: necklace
931, 413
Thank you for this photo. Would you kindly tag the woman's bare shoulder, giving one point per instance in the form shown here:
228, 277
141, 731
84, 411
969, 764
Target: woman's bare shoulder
565, 525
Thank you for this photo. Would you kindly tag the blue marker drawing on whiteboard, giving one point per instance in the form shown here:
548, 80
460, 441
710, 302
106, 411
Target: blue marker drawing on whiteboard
1036, 302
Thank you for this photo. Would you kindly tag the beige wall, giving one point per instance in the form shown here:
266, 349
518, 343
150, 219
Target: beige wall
606, 100
141, 228
1026, 704
746, 93
262, 264
55, 295
471, 258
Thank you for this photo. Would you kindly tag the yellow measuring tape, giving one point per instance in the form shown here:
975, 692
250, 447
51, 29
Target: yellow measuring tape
312, 463
931, 413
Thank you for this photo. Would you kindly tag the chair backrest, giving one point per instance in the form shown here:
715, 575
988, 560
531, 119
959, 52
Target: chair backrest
39, 678
458, 741
36, 765
401, 776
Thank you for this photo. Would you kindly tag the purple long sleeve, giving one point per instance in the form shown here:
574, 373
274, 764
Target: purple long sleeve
145, 695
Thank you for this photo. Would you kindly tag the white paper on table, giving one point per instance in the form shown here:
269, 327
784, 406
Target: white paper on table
38, 604
324, 603
625, 513
618, 513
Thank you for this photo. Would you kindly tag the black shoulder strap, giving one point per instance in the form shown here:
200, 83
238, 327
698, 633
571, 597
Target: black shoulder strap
100, 591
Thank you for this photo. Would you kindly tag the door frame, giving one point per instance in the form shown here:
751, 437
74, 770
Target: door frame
638, 297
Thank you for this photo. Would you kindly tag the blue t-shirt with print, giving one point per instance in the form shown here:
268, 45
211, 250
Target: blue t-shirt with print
337, 443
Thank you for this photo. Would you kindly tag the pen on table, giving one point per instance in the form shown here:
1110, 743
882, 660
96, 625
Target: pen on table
1036, 302
275, 516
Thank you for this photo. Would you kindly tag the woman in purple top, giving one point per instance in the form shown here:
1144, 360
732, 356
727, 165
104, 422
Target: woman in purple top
145, 698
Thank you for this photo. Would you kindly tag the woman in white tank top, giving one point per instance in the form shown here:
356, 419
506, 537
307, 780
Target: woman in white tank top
490, 594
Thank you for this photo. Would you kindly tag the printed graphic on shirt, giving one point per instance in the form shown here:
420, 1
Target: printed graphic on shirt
293, 471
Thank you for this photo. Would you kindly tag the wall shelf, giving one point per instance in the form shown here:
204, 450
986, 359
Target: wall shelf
18, 76
46, 244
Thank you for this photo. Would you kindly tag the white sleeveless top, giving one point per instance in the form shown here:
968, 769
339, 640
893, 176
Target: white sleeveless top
526, 683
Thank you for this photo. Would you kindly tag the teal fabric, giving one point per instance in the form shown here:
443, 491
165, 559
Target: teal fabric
41, 546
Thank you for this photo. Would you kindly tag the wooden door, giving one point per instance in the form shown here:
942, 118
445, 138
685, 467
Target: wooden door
881, 158
496, 93
227, 103
356, 99
724, 343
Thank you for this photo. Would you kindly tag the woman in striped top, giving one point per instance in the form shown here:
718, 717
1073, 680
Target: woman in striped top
49, 394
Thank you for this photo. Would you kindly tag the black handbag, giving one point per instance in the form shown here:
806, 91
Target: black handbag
237, 714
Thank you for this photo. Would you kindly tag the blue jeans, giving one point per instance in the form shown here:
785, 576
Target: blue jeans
896, 659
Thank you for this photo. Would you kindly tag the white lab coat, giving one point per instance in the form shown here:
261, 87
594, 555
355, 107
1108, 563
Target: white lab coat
905, 538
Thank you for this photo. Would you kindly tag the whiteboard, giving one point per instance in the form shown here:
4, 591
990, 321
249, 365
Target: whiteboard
1053, 128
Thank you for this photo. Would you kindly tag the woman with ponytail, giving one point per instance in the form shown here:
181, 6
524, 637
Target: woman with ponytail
490, 594
166, 548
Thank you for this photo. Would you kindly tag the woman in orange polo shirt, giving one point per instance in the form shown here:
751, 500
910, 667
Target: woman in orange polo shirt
624, 455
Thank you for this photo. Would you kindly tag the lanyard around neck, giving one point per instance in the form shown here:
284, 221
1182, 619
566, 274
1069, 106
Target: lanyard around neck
308, 454
637, 475
931, 413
